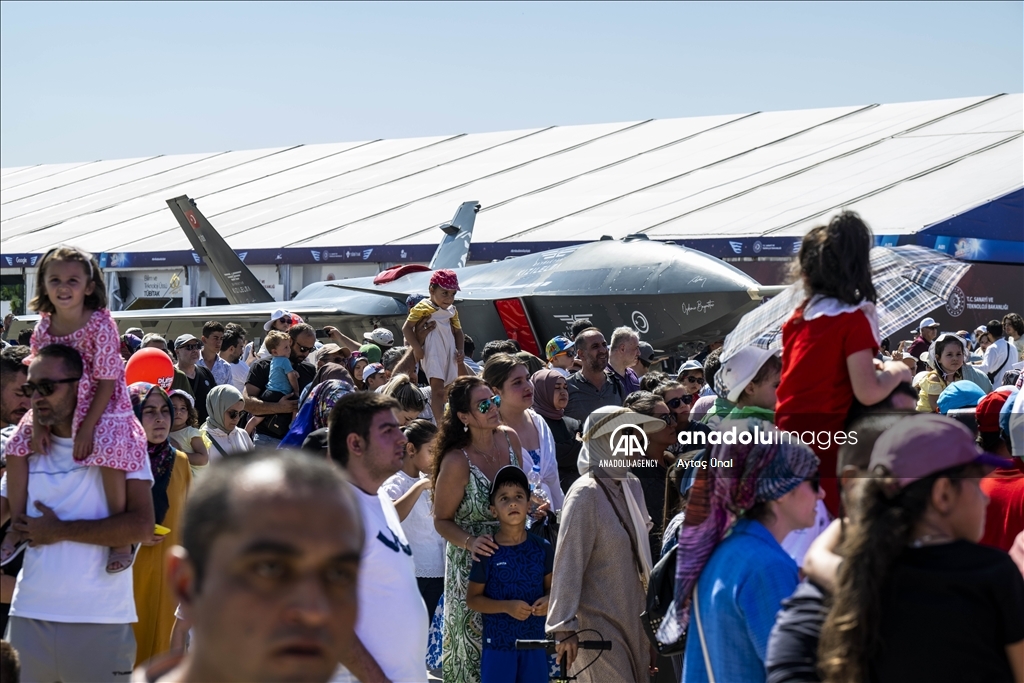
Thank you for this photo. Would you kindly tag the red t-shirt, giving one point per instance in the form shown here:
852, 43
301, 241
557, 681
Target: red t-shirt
814, 392
1004, 518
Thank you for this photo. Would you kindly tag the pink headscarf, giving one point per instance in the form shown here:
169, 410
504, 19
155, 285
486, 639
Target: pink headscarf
544, 393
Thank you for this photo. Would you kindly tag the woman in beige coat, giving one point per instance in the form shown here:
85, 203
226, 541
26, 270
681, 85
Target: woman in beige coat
602, 559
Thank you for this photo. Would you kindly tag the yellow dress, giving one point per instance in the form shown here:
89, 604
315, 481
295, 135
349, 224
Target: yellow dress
153, 601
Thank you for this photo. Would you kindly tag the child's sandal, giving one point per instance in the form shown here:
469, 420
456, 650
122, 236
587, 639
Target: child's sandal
10, 551
119, 562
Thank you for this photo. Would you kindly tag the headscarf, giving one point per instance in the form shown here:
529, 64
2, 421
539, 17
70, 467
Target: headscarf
324, 397
760, 473
220, 398
315, 411
597, 446
161, 455
331, 371
544, 394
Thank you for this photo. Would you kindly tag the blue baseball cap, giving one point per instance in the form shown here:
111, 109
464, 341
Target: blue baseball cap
962, 394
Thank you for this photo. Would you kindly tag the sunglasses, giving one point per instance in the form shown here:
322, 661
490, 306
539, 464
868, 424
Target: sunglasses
190, 347
45, 387
694, 380
815, 482
232, 414
485, 405
571, 353
669, 418
304, 349
674, 403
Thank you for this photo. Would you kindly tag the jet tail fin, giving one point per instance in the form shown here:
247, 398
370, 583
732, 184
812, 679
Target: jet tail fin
454, 248
239, 284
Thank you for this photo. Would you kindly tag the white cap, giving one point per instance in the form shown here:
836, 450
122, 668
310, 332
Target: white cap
690, 365
371, 370
927, 322
736, 373
278, 314
380, 337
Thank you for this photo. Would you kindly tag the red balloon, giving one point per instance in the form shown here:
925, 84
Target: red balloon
150, 365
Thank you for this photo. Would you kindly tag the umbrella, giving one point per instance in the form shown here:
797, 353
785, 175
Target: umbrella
910, 281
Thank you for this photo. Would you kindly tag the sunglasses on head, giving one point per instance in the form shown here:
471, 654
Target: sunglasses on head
190, 347
45, 387
232, 414
485, 405
674, 403
694, 380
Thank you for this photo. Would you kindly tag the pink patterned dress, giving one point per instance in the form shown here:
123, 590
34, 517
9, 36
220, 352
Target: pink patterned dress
119, 441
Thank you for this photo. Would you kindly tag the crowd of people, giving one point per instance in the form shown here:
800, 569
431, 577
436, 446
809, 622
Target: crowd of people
309, 506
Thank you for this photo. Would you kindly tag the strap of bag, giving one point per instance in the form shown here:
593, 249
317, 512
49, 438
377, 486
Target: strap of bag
700, 632
629, 532
218, 446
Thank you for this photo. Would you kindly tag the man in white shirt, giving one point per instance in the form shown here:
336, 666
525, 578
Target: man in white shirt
231, 353
999, 356
70, 619
391, 631
209, 358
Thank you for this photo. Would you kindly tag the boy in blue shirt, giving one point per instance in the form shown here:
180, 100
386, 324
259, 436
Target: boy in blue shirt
510, 588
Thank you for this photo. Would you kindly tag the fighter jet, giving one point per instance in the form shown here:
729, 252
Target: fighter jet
667, 293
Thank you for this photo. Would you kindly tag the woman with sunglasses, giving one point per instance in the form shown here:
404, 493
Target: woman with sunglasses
471, 447
221, 433
691, 376
680, 402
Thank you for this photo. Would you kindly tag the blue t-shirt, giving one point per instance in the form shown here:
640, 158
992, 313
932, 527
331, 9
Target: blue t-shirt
514, 572
280, 366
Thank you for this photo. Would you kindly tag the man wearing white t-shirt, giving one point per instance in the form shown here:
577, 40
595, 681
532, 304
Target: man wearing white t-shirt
70, 619
231, 352
391, 631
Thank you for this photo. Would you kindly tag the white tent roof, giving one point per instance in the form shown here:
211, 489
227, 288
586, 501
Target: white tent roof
902, 166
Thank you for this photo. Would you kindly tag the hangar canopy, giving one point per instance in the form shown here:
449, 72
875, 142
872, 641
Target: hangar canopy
946, 173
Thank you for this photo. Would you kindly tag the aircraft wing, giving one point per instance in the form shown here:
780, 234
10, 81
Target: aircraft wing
240, 286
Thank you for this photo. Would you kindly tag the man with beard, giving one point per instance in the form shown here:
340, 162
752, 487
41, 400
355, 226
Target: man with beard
594, 385
278, 414
70, 619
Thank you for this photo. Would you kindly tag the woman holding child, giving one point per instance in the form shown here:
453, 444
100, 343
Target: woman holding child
471, 447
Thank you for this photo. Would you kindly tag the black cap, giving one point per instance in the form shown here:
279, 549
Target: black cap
509, 474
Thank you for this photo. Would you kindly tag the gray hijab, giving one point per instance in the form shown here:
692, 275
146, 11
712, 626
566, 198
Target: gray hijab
220, 398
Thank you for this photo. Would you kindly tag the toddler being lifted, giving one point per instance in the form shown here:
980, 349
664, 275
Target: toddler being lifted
441, 351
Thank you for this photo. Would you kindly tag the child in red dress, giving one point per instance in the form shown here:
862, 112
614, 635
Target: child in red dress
71, 299
830, 341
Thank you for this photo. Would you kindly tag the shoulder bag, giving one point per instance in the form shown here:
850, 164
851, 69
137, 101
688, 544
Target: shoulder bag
661, 605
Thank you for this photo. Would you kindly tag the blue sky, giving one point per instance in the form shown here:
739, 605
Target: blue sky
83, 81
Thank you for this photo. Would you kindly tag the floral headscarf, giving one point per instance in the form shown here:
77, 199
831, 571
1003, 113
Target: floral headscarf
324, 397
720, 495
161, 455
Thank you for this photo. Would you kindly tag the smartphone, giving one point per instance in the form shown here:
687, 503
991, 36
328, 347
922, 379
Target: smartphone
160, 530
322, 334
